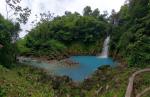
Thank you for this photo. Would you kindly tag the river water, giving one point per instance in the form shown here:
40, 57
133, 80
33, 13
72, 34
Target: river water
87, 64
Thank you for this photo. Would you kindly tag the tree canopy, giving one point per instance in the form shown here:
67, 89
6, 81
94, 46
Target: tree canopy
68, 31
8, 35
130, 38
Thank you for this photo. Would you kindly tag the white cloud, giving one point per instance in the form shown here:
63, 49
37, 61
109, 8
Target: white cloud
60, 6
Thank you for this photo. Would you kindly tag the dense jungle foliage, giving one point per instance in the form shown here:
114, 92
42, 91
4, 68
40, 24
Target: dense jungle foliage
8, 36
75, 34
130, 37
70, 34
59, 36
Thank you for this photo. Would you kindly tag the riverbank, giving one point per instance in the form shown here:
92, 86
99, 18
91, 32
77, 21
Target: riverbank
63, 62
121, 61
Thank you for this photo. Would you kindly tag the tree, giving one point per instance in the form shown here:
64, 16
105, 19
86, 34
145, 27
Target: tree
87, 11
46, 16
67, 31
8, 33
16, 11
96, 13
138, 8
67, 13
77, 14
114, 17
105, 13
130, 38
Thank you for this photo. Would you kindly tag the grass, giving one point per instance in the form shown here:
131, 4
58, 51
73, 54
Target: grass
24, 81
142, 82
116, 83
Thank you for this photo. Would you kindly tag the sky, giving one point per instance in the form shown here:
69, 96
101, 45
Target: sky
58, 7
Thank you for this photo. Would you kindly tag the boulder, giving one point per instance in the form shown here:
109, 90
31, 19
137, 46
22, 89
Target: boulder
1, 46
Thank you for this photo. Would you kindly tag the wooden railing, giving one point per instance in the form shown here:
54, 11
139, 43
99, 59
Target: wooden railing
131, 82
143, 92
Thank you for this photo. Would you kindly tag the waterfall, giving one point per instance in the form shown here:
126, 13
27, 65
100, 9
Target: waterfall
104, 53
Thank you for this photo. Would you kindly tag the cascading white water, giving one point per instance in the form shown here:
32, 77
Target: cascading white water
105, 51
